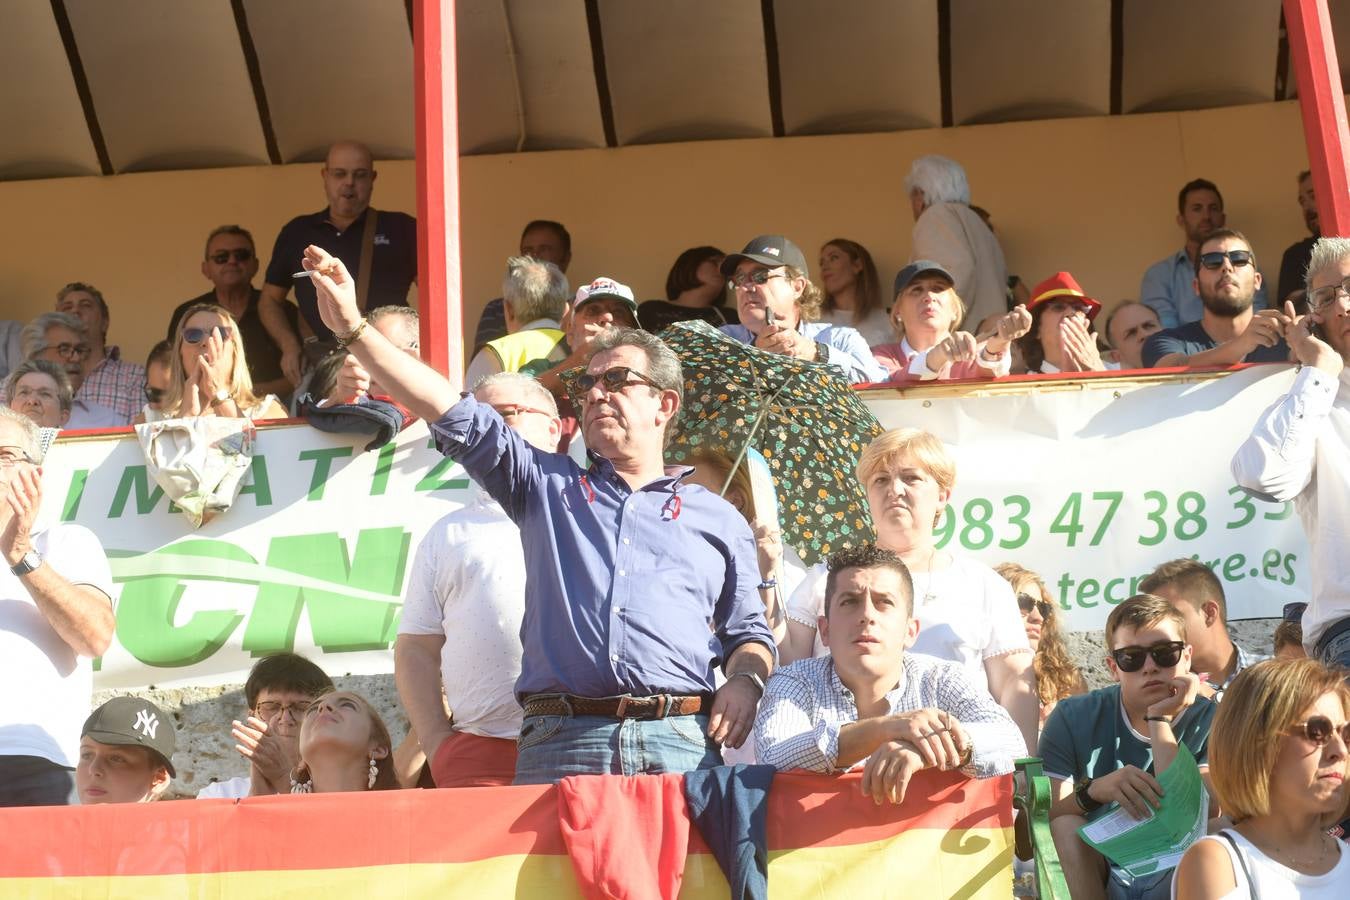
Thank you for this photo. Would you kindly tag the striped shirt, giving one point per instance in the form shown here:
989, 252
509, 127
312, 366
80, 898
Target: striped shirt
805, 705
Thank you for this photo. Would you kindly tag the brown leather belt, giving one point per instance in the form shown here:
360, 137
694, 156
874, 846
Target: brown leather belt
657, 706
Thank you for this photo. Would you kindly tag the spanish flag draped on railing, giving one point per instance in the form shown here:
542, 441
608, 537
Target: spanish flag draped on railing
952, 837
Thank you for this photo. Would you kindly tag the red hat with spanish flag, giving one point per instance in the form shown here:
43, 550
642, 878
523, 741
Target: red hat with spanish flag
1062, 284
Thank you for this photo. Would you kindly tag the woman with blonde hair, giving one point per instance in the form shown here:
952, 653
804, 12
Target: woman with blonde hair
965, 611
344, 746
1277, 760
925, 316
208, 372
1057, 676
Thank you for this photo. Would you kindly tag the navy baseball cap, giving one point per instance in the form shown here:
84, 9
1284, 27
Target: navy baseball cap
917, 268
768, 250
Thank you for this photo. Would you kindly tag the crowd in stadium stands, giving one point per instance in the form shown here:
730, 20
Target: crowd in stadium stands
669, 629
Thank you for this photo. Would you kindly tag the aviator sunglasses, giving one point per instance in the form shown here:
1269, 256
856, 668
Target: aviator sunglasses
1319, 729
1165, 654
1214, 259
615, 379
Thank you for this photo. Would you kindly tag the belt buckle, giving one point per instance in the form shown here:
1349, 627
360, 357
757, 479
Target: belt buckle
623, 706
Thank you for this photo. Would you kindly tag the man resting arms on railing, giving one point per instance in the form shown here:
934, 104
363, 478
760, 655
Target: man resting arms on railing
869, 702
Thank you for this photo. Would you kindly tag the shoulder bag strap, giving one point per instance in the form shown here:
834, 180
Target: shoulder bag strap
367, 259
1242, 861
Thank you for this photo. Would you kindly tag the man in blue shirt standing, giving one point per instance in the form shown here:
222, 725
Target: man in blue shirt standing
1169, 284
637, 585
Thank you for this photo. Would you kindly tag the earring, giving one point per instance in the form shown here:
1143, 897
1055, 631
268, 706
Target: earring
374, 773
301, 787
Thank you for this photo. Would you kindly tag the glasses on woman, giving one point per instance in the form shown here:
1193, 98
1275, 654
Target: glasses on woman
1027, 603
197, 335
12, 456
1319, 729
268, 709
1166, 654
152, 394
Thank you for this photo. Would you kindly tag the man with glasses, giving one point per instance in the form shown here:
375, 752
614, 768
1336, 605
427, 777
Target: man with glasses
1196, 592
61, 339
1300, 447
56, 616
1108, 746
107, 380
460, 630
1230, 331
637, 584
278, 690
776, 302
231, 263
1169, 284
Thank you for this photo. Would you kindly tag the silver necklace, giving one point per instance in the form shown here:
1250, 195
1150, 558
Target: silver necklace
928, 595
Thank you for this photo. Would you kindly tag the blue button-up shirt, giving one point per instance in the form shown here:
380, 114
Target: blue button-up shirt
1169, 289
626, 591
847, 348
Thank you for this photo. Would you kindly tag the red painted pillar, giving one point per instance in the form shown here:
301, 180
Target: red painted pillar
1323, 105
437, 135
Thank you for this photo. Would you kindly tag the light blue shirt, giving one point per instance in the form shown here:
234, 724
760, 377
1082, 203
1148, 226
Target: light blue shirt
1169, 290
849, 352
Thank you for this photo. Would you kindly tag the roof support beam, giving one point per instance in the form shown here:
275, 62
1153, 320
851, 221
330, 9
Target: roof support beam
601, 72
435, 93
255, 79
82, 85
1322, 103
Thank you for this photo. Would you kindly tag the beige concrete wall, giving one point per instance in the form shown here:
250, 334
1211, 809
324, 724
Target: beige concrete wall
1094, 196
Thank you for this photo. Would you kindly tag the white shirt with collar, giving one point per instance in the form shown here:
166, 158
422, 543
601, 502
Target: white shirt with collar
1300, 451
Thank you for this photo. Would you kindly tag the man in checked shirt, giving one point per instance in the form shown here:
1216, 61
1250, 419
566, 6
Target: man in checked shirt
871, 704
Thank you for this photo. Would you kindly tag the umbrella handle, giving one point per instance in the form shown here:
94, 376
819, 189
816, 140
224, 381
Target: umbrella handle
759, 420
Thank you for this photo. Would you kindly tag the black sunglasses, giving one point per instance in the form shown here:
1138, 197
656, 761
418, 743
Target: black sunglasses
1318, 730
154, 395
220, 257
197, 335
1027, 603
615, 379
1293, 612
1214, 258
1165, 654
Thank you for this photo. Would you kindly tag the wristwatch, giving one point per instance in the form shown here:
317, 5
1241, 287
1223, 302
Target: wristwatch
220, 397
759, 682
31, 561
1085, 802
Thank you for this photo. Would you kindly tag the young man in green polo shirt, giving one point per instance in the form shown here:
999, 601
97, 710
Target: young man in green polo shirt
1106, 747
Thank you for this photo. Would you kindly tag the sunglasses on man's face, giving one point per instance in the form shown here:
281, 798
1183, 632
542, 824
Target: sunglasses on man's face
1319, 729
614, 379
1165, 654
1027, 603
1214, 259
221, 257
197, 335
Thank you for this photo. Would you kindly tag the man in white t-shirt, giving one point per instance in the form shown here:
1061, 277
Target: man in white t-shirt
460, 629
278, 691
56, 615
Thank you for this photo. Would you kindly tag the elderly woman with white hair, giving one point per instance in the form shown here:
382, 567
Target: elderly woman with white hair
946, 229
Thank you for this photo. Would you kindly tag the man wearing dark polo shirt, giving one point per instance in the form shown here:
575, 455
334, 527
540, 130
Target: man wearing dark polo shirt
348, 180
230, 264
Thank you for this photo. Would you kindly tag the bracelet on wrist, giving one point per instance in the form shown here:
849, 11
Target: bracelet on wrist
1167, 719
768, 584
348, 337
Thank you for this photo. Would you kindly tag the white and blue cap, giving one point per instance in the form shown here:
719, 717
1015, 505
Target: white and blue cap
606, 287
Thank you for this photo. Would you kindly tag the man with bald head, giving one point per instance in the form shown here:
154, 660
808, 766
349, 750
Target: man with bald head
351, 230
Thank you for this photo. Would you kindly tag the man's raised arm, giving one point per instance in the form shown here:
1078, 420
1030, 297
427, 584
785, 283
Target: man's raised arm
420, 388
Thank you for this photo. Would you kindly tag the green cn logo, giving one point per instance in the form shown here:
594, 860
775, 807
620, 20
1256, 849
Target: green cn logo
352, 598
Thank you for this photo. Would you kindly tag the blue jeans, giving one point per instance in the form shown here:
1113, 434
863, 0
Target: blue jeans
553, 747
1157, 886
34, 781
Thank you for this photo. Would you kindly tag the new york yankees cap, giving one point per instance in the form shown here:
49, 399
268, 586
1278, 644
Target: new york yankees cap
133, 722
